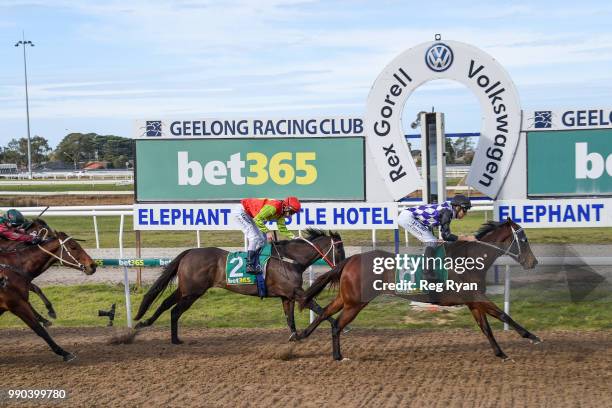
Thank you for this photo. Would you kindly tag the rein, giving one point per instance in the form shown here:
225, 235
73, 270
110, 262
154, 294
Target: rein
332, 246
508, 251
60, 258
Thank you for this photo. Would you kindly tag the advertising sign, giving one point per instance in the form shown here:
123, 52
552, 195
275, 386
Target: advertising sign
569, 163
567, 119
230, 169
247, 127
556, 213
219, 216
482, 74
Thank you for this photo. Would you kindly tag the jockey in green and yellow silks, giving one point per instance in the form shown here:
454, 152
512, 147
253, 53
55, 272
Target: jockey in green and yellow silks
252, 215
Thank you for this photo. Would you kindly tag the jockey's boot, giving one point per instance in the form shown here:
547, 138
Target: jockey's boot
250, 266
253, 265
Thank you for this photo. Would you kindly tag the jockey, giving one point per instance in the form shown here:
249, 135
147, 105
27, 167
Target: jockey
11, 223
252, 215
419, 221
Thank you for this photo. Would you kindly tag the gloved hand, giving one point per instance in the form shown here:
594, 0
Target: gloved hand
36, 240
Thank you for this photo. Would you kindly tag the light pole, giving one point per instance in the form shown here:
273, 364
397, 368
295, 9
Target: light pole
25, 43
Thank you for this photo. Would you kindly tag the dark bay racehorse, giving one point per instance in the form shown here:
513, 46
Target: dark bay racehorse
26, 264
356, 279
199, 269
39, 227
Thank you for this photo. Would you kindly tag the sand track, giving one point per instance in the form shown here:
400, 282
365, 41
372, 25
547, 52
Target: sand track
252, 367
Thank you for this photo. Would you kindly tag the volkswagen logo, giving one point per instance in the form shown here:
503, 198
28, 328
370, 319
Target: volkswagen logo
439, 57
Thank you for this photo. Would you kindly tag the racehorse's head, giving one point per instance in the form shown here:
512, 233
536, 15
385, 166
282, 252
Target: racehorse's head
72, 254
330, 244
512, 238
525, 256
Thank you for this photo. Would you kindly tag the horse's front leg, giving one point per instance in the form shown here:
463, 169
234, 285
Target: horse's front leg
289, 309
47, 302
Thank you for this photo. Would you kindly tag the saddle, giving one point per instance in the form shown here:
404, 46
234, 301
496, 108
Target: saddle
235, 266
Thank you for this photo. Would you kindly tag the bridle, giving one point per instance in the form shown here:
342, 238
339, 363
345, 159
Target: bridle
508, 251
332, 248
60, 258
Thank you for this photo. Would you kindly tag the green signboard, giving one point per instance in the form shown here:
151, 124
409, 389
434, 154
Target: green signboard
569, 163
179, 170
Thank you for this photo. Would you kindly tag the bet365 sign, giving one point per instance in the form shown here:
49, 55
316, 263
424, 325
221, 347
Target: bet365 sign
569, 163
229, 169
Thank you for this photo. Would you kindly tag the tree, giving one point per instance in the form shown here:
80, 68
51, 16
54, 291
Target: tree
17, 151
75, 147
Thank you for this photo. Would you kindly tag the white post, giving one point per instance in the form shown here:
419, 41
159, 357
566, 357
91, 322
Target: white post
198, 238
406, 237
310, 281
374, 239
507, 294
126, 281
95, 221
245, 242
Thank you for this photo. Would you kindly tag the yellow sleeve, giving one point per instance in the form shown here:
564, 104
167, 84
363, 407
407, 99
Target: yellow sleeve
267, 213
282, 228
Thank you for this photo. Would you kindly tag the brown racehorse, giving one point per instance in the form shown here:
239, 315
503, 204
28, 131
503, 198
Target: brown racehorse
26, 265
39, 227
199, 269
356, 281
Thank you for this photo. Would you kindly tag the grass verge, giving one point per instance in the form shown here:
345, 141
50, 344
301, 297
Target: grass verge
78, 306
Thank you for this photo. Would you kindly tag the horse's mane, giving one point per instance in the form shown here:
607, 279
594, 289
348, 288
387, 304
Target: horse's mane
312, 234
488, 227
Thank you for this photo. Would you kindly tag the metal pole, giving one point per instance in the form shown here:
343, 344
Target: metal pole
374, 239
126, 281
25, 43
95, 220
310, 281
406, 237
507, 294
138, 255
198, 238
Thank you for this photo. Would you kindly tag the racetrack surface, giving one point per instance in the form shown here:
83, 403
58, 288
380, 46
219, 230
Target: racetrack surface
258, 367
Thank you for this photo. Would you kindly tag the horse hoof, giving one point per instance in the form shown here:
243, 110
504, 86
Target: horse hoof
294, 337
139, 325
47, 323
52, 314
345, 359
346, 330
537, 340
177, 342
69, 357
506, 359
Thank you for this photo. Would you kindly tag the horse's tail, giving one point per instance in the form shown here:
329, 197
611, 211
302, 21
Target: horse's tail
332, 276
160, 284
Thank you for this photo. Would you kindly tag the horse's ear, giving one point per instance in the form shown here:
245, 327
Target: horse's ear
509, 220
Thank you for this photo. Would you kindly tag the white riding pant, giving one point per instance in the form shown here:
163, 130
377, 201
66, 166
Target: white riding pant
407, 220
255, 238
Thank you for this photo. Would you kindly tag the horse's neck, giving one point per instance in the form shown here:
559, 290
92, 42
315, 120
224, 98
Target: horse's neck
40, 261
304, 253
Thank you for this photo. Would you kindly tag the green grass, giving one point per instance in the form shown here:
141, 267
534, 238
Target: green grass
78, 306
108, 227
67, 187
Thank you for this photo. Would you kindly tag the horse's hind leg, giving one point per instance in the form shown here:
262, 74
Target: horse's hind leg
47, 302
481, 318
24, 311
492, 309
182, 305
166, 304
348, 315
329, 311
40, 318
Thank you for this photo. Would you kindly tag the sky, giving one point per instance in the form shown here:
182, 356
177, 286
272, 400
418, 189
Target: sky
97, 66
